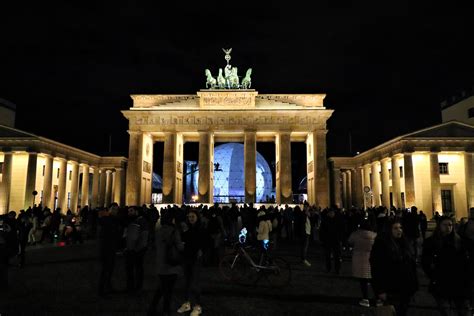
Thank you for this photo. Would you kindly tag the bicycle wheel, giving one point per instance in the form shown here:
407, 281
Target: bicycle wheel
278, 273
232, 267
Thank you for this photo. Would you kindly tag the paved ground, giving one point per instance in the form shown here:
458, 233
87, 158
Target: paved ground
63, 281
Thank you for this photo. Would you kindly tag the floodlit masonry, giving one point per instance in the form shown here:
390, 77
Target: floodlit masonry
432, 169
62, 176
225, 115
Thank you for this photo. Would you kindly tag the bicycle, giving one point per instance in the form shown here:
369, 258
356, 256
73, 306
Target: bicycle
239, 266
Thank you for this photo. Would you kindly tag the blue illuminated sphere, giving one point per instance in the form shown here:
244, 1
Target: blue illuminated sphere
229, 178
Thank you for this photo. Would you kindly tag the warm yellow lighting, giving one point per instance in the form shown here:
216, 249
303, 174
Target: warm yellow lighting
195, 198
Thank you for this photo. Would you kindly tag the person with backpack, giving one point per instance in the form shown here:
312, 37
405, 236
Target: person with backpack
168, 247
136, 246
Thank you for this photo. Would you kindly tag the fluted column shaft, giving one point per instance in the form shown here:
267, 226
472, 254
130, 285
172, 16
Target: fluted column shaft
5, 185
435, 183
31, 180
376, 184
397, 196
206, 167
337, 187
95, 188
74, 185
102, 186
284, 190
409, 179
385, 183
118, 186
250, 166
62, 198
85, 186
469, 169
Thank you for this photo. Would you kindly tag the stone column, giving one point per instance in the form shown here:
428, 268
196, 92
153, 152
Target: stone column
74, 185
62, 198
102, 186
118, 186
385, 183
85, 186
409, 180
31, 180
435, 183
173, 168
95, 188
367, 202
337, 187
357, 188
344, 189
108, 188
48, 181
5, 185
250, 166
321, 168
283, 169
376, 183
469, 169
134, 168
206, 168
397, 196
349, 189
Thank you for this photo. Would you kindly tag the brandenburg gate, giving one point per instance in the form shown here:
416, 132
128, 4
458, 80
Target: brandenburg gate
229, 111
225, 116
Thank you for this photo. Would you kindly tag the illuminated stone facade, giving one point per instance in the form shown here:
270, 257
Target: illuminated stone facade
432, 169
225, 116
56, 171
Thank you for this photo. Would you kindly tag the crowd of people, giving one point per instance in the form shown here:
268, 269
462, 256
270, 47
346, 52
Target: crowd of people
386, 246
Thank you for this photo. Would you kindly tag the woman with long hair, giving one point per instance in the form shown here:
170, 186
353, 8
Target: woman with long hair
393, 268
445, 261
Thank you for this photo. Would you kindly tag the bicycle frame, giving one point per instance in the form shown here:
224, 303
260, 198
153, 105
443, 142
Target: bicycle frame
250, 260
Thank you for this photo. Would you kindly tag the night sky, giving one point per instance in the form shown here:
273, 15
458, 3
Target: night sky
70, 69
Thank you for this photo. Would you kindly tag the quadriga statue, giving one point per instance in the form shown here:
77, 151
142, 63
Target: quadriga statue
247, 81
210, 80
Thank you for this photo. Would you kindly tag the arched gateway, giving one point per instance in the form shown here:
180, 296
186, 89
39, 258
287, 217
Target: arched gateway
225, 115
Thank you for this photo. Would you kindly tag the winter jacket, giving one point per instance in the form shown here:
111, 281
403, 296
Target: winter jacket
167, 235
363, 241
264, 229
195, 239
109, 235
331, 230
393, 267
446, 262
137, 234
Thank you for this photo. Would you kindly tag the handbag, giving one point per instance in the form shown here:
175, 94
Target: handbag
173, 255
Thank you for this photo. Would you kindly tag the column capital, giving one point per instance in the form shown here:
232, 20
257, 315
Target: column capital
434, 150
386, 159
62, 159
320, 131
134, 132
74, 162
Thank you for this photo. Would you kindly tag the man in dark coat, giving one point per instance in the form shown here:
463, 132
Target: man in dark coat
331, 236
109, 238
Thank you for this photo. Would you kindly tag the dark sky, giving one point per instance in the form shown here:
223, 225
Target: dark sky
70, 69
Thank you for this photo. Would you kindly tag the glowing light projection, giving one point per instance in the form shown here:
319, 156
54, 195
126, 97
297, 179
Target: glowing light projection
229, 175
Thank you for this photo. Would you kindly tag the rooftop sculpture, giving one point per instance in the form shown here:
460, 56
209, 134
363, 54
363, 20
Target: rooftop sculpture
229, 78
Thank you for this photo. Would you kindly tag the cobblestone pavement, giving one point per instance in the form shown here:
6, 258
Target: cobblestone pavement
63, 281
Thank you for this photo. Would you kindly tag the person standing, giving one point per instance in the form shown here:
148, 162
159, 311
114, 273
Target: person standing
4, 231
423, 224
331, 235
306, 235
362, 240
167, 236
109, 237
445, 261
393, 268
195, 240
136, 246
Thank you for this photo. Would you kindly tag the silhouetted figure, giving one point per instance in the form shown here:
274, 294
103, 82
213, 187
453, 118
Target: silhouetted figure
446, 262
136, 246
331, 236
167, 236
393, 268
108, 244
